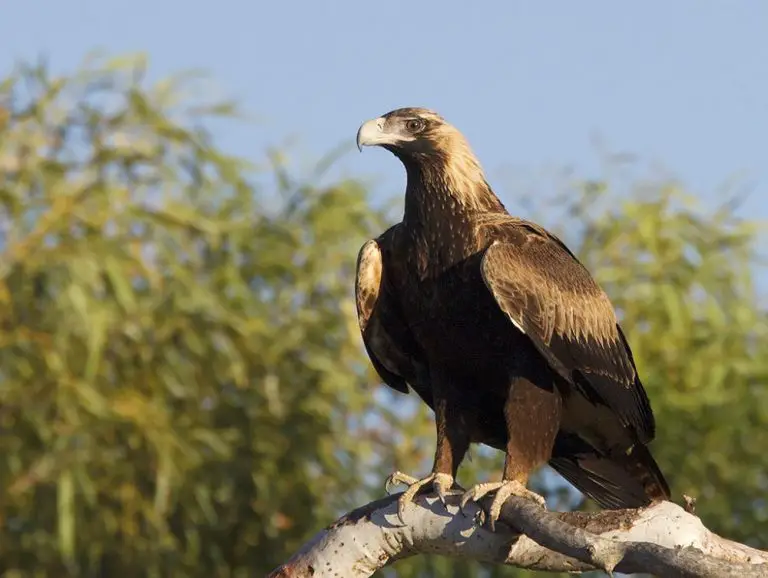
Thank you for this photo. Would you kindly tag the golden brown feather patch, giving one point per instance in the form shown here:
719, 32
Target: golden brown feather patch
368, 281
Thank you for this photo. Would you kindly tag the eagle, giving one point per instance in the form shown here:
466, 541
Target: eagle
500, 330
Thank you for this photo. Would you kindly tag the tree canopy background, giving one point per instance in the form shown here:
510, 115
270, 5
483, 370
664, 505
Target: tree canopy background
183, 389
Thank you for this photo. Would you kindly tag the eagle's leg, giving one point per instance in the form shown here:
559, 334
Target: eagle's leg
532, 415
452, 445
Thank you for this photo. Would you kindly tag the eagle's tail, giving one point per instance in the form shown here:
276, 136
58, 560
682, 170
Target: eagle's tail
630, 480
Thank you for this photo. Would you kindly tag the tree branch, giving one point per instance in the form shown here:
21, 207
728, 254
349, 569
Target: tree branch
663, 539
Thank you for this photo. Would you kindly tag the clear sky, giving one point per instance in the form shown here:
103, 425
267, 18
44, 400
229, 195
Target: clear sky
684, 83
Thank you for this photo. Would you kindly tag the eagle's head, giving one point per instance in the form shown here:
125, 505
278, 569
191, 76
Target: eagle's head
413, 134
436, 156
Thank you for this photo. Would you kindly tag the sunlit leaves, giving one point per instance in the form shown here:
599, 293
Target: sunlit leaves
177, 359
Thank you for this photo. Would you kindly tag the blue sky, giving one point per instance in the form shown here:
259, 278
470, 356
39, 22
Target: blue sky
530, 83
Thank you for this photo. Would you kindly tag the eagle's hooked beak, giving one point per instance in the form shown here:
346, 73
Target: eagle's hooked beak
371, 133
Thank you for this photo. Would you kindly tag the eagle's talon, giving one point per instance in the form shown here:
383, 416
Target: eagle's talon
503, 490
441, 483
396, 478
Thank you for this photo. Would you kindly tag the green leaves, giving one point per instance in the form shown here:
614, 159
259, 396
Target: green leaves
176, 358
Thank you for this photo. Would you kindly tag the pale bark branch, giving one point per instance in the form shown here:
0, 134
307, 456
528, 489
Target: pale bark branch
663, 539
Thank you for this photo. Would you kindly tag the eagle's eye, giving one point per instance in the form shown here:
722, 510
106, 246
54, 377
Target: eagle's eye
414, 125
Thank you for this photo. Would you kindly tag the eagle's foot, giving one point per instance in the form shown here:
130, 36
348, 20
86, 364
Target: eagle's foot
504, 490
441, 483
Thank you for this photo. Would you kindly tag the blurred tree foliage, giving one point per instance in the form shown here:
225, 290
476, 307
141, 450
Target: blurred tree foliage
183, 390
180, 370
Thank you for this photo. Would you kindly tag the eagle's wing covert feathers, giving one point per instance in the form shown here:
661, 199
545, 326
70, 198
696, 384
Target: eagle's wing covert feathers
551, 297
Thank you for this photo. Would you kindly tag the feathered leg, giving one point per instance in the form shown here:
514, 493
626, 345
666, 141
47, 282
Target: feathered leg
452, 445
532, 415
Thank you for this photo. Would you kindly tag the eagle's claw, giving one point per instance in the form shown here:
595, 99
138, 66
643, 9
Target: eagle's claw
441, 483
396, 478
504, 490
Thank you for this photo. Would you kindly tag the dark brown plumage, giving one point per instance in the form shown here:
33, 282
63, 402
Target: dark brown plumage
500, 330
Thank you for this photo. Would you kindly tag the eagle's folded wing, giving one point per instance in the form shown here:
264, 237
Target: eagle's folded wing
552, 298
386, 336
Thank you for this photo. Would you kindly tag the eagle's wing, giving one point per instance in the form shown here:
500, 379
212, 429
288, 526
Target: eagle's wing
386, 336
551, 297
